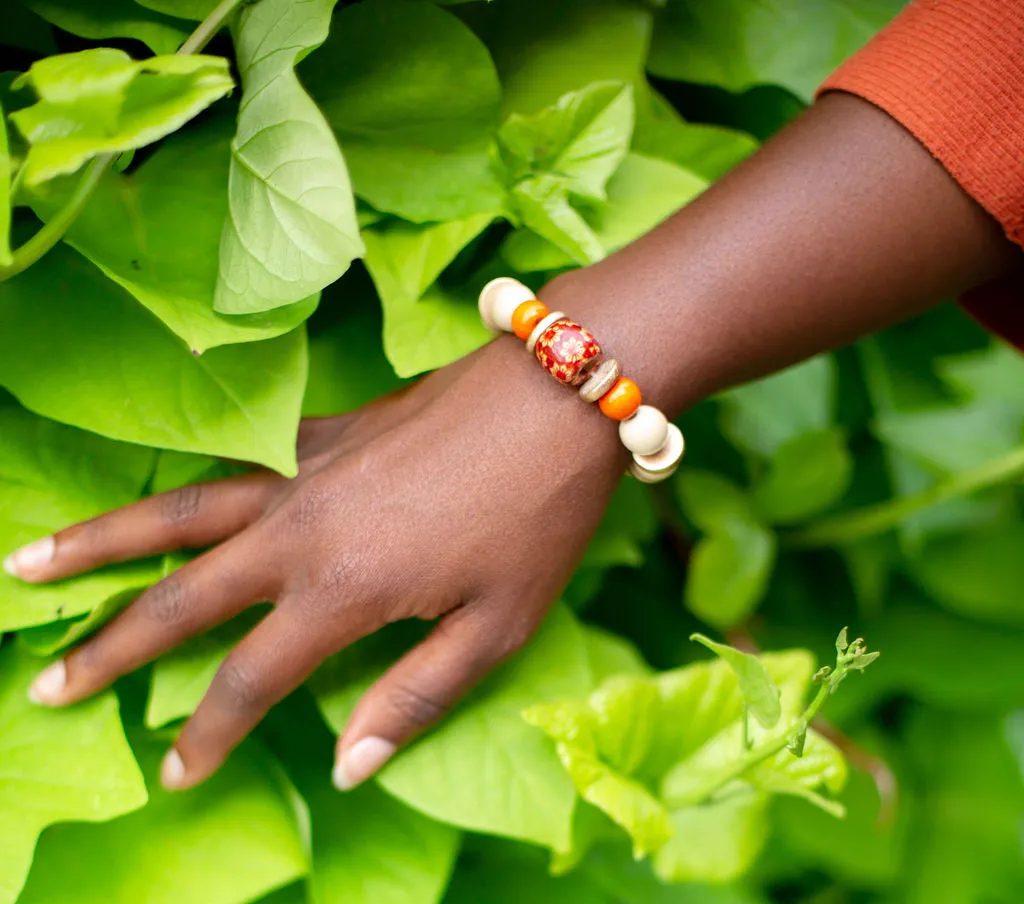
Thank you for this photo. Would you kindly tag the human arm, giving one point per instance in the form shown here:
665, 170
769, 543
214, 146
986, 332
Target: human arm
471, 497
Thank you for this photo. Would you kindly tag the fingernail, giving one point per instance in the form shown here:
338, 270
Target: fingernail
172, 772
362, 761
22, 562
49, 684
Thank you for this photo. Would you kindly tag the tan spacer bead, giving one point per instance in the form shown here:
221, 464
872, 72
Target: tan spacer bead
541, 328
667, 458
601, 380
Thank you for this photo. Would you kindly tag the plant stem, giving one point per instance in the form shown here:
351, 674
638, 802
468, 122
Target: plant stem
53, 231
754, 757
878, 519
209, 27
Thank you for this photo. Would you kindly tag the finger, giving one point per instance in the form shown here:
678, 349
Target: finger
272, 660
193, 516
422, 686
199, 596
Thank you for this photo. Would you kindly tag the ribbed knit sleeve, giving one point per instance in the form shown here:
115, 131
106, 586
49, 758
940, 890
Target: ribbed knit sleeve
952, 72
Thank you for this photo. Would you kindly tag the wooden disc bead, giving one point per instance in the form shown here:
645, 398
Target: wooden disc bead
499, 300
567, 350
621, 400
645, 476
601, 379
645, 431
527, 316
541, 328
667, 458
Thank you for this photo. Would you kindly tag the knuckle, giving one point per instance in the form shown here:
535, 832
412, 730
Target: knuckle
240, 687
165, 602
180, 507
308, 507
509, 638
416, 707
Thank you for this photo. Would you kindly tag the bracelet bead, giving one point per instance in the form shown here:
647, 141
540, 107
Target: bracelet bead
527, 316
541, 328
601, 379
645, 476
499, 300
667, 458
621, 400
567, 350
645, 431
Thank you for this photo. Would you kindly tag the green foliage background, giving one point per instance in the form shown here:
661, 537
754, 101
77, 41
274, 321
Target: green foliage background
205, 297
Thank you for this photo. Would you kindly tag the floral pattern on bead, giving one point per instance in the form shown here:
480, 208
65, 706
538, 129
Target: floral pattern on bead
567, 351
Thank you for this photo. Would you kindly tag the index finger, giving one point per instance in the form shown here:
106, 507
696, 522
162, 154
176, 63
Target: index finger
190, 517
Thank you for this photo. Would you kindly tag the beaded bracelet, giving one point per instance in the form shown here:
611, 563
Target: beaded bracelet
571, 354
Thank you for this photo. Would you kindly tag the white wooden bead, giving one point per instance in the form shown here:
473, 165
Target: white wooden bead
668, 456
499, 300
645, 476
541, 328
601, 380
645, 431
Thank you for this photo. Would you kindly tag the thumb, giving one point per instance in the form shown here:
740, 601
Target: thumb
426, 683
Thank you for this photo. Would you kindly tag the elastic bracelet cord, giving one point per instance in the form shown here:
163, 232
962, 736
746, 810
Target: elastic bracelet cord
572, 355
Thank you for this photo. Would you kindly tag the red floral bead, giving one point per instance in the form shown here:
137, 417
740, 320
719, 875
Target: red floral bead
567, 351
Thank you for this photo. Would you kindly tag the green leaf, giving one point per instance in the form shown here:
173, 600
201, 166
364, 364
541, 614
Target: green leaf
413, 96
729, 573
967, 837
736, 44
705, 150
291, 227
620, 747
731, 565
501, 873
5, 194
156, 232
347, 364
58, 766
544, 50
182, 677
761, 416
232, 840
580, 731
425, 325
113, 369
101, 19
642, 192
369, 848
542, 203
977, 574
490, 771
807, 475
26, 30
583, 138
716, 842
609, 654
760, 695
52, 476
197, 10
997, 373
101, 101
953, 438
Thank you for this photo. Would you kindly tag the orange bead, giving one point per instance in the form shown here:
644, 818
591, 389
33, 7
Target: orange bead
527, 316
621, 400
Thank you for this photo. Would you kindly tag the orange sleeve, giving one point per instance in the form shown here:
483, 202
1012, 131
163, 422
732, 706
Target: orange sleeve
952, 73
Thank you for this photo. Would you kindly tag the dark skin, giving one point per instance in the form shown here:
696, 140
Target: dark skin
469, 498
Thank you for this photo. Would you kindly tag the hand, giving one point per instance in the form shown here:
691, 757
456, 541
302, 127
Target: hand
468, 498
